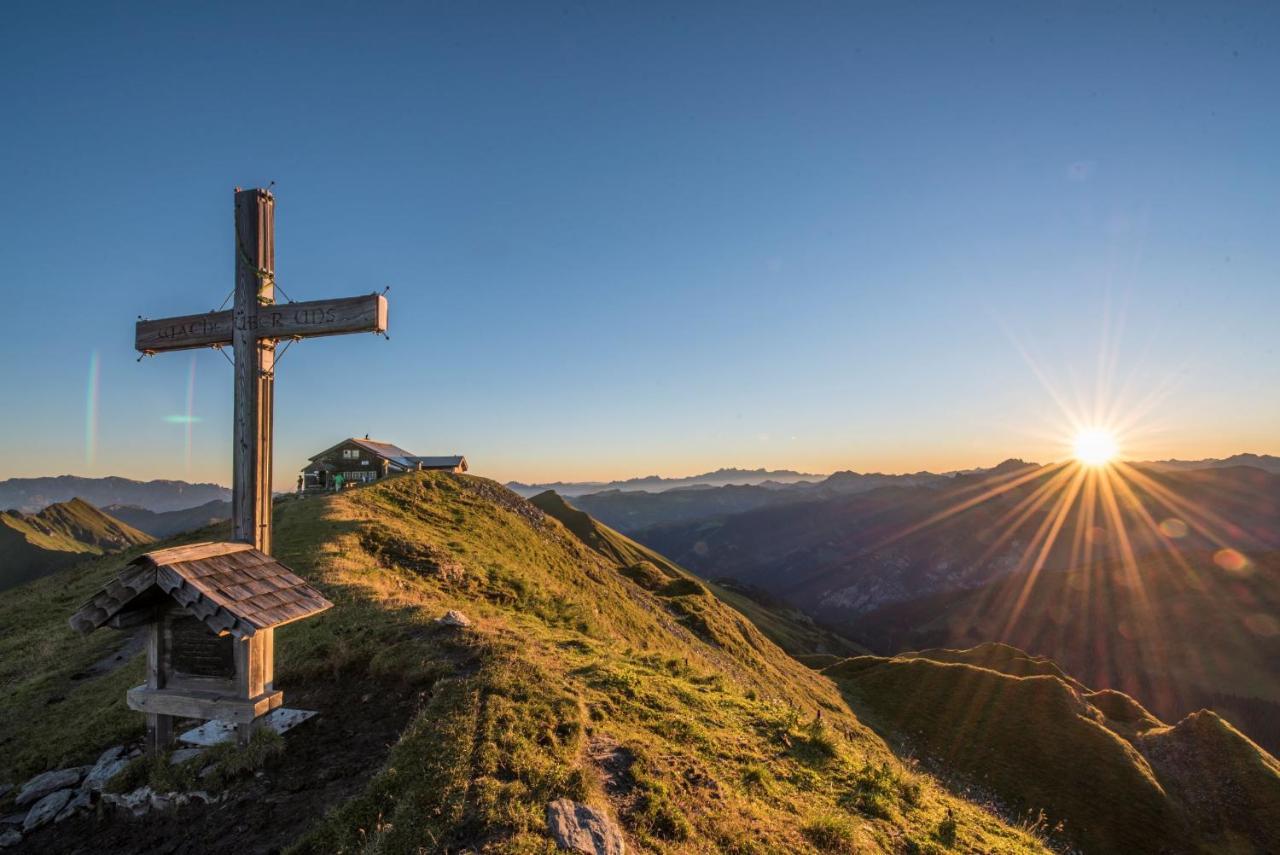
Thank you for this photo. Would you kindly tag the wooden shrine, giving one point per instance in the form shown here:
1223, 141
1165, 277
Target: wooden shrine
211, 610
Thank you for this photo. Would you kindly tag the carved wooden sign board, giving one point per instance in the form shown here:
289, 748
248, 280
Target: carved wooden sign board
304, 320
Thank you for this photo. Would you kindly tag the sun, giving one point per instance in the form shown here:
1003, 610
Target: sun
1094, 447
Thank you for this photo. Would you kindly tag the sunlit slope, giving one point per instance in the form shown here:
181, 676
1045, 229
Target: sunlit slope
666, 709
1117, 779
792, 630
32, 545
1179, 633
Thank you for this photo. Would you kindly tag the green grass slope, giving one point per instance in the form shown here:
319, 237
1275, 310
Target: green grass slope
1110, 775
33, 545
1176, 630
791, 629
666, 709
1004, 658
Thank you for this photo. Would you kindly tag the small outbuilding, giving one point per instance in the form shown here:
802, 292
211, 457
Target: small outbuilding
212, 610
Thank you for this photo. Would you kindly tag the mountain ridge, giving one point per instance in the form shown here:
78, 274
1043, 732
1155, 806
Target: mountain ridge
162, 524
57, 536
32, 494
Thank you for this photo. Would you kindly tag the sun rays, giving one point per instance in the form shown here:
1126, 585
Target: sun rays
1092, 549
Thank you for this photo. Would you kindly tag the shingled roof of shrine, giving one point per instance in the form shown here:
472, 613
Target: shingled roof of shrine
230, 587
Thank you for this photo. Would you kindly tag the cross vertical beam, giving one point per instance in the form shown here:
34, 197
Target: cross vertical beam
254, 368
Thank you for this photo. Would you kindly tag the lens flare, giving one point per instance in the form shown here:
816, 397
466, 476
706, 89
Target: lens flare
1094, 447
91, 410
191, 405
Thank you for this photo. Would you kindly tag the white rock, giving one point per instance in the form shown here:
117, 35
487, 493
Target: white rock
10, 838
581, 828
453, 617
46, 809
47, 782
137, 802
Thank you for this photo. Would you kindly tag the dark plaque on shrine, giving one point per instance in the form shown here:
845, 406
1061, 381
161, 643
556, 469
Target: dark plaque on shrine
197, 652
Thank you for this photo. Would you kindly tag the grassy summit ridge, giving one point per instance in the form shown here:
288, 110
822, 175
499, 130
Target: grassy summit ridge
665, 708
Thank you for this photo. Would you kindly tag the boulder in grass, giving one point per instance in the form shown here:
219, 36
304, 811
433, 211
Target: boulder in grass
581, 828
46, 809
453, 617
10, 838
47, 782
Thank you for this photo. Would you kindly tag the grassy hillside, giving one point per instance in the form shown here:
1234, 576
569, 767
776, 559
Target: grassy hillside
1179, 633
664, 708
1105, 771
790, 629
33, 545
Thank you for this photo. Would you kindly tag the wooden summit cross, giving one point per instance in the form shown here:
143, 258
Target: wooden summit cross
212, 609
253, 327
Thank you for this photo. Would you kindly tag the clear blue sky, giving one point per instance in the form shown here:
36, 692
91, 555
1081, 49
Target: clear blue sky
658, 239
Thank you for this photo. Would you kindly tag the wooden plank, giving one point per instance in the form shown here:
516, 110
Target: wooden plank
194, 552
186, 703
308, 319
155, 654
268, 660
256, 681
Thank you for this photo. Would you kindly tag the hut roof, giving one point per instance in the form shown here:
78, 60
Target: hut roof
231, 587
450, 462
388, 451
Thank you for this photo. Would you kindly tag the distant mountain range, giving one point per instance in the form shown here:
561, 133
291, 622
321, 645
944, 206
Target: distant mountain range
162, 524
630, 507
718, 478
62, 534
1258, 461
634, 510
32, 494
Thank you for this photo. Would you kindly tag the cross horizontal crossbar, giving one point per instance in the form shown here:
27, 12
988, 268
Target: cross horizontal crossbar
367, 313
